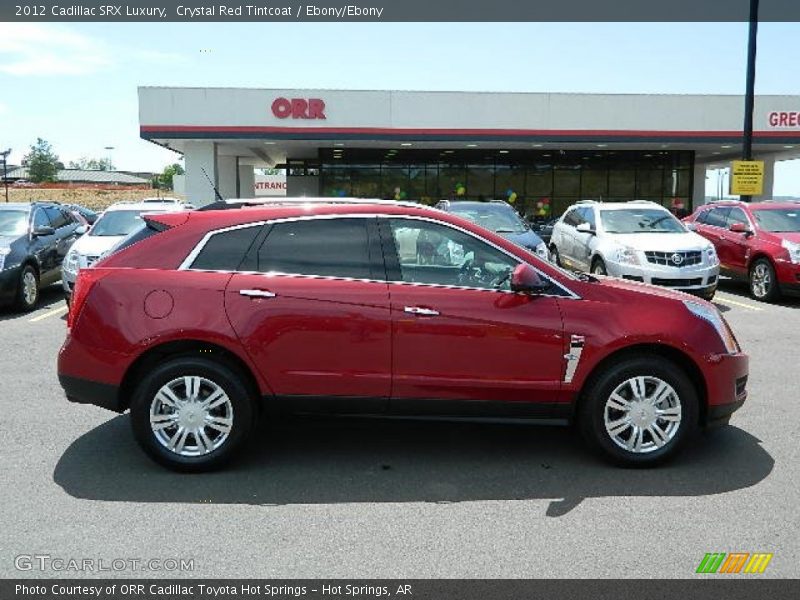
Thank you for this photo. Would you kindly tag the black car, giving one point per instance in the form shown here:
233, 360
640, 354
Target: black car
34, 239
543, 226
86, 213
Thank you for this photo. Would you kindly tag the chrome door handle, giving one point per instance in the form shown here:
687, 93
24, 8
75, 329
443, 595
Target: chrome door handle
418, 310
257, 293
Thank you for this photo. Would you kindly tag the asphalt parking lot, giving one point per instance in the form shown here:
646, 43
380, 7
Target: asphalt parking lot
347, 499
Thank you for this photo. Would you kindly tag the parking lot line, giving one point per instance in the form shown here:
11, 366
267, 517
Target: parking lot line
735, 303
51, 313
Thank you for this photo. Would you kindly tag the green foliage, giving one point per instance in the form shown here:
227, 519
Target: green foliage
164, 181
42, 162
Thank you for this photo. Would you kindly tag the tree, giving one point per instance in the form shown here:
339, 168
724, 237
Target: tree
164, 181
42, 162
92, 164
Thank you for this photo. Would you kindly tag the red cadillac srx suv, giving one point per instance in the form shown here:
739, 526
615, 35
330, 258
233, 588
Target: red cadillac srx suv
202, 320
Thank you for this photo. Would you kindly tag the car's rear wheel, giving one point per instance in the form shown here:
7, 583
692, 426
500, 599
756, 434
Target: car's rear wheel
640, 411
27, 289
763, 282
599, 267
192, 414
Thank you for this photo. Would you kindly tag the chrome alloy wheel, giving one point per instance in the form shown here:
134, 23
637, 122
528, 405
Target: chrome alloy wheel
29, 286
761, 280
191, 416
642, 414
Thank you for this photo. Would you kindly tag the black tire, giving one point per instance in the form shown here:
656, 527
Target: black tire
598, 266
228, 379
555, 256
25, 301
709, 295
592, 410
766, 289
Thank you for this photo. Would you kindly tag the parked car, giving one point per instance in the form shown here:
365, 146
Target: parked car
202, 320
87, 214
758, 242
639, 241
116, 222
34, 239
543, 227
500, 217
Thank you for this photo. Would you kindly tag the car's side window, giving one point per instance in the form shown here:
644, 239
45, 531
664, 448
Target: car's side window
572, 218
40, 219
737, 216
225, 251
336, 247
702, 217
439, 255
717, 217
587, 216
57, 218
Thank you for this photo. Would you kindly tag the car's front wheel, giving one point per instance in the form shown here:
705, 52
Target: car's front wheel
27, 289
599, 267
763, 282
640, 411
192, 414
555, 257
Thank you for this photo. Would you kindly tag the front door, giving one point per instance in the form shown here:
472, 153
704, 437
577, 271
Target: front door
315, 316
459, 332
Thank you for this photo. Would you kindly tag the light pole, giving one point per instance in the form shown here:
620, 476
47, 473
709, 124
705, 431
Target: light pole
111, 157
5, 170
747, 145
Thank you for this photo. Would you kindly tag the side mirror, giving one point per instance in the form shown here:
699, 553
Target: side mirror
690, 225
43, 231
739, 228
81, 229
585, 228
525, 279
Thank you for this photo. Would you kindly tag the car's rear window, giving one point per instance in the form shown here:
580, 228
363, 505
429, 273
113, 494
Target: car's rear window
224, 251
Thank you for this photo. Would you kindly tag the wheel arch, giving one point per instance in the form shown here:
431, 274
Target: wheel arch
670, 353
756, 256
184, 348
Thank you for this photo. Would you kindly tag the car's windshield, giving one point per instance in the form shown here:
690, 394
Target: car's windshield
117, 222
778, 220
500, 218
640, 220
13, 222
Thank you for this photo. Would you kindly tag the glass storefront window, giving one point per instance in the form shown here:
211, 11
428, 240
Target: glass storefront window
621, 185
480, 182
395, 183
594, 184
567, 182
649, 183
366, 182
450, 178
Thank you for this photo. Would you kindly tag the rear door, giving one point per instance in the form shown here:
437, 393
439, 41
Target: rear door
582, 245
460, 334
311, 308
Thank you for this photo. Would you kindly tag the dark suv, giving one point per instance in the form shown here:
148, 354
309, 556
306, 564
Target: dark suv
200, 320
34, 239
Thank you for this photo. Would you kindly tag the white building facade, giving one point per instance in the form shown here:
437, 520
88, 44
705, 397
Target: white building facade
541, 149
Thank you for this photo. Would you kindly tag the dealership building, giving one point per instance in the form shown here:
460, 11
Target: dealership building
537, 148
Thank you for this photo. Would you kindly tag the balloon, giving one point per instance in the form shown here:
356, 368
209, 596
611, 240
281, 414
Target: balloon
539, 204
513, 197
460, 190
509, 191
546, 201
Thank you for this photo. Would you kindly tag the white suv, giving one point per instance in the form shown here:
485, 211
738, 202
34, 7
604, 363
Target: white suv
638, 241
116, 222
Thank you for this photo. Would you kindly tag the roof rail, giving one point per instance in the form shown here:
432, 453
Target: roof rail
642, 202
282, 201
586, 202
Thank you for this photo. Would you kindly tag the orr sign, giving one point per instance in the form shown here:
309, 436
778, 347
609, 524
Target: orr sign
298, 108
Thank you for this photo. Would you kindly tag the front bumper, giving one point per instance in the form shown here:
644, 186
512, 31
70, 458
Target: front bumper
696, 278
9, 281
788, 275
726, 378
68, 282
84, 391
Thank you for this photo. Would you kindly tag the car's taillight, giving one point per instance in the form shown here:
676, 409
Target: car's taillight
83, 285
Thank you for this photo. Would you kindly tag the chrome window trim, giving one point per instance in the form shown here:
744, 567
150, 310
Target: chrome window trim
190, 258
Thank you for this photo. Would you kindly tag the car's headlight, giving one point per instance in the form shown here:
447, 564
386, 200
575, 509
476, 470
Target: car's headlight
627, 255
71, 262
712, 315
793, 250
542, 252
3, 253
711, 255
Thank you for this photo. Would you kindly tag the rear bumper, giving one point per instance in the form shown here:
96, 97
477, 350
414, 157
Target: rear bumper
84, 391
726, 380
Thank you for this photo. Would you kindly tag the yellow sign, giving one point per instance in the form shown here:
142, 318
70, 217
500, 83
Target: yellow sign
747, 177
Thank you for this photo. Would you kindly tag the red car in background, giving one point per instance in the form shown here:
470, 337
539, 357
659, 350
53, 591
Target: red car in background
203, 319
759, 242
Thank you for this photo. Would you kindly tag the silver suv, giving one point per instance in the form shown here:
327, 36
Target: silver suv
638, 241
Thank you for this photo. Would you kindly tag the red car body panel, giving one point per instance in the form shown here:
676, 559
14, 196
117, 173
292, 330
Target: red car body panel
738, 251
344, 338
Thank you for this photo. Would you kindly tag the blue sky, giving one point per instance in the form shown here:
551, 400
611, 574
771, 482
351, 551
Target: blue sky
75, 84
